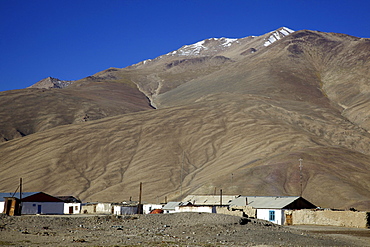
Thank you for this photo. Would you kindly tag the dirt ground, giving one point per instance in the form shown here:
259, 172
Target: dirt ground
181, 229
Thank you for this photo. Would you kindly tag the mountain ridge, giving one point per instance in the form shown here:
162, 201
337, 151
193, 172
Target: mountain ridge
186, 51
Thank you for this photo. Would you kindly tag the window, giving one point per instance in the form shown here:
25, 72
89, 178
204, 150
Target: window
271, 215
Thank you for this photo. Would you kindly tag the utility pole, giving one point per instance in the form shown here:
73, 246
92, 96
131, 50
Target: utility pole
300, 175
139, 206
20, 189
20, 196
221, 197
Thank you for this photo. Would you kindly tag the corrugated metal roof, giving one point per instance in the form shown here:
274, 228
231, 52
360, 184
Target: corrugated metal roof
69, 199
173, 205
209, 199
17, 195
277, 202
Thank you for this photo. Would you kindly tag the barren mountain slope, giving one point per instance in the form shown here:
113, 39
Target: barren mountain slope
238, 118
258, 140
305, 65
27, 111
192, 62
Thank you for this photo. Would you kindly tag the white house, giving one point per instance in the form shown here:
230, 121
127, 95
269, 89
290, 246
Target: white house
72, 205
42, 203
272, 208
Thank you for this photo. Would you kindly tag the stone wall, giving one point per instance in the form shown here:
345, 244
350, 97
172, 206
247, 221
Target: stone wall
330, 218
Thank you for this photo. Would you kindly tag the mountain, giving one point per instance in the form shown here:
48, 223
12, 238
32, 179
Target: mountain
230, 114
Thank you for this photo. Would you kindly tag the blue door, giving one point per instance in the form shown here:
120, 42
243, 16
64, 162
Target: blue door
271, 215
39, 209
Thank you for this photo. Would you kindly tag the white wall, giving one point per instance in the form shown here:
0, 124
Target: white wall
105, 208
149, 207
45, 207
124, 210
76, 208
2, 204
264, 214
169, 211
117, 210
198, 209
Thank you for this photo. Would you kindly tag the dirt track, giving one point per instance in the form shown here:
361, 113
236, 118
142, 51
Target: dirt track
185, 229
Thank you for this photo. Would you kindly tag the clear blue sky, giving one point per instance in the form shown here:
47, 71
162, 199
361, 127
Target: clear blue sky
72, 39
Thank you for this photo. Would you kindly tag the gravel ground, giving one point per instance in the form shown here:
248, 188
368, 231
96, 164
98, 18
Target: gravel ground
181, 229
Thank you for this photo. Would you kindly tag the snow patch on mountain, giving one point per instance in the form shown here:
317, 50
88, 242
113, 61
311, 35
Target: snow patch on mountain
213, 44
278, 34
193, 49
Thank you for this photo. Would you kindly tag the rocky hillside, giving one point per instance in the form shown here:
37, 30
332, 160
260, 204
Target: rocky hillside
51, 82
231, 114
24, 112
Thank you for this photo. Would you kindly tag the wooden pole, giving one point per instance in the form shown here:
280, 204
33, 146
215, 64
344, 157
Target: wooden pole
20, 189
221, 197
139, 206
20, 196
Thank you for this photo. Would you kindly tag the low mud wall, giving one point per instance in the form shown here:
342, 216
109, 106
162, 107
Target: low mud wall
242, 211
329, 218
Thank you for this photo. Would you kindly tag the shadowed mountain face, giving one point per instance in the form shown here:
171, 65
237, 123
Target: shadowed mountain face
24, 112
232, 114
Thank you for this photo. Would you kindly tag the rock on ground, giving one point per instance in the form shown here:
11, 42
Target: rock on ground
182, 229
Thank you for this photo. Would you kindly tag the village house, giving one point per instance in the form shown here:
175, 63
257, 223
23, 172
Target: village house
172, 207
72, 205
38, 203
199, 203
124, 209
205, 203
270, 208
